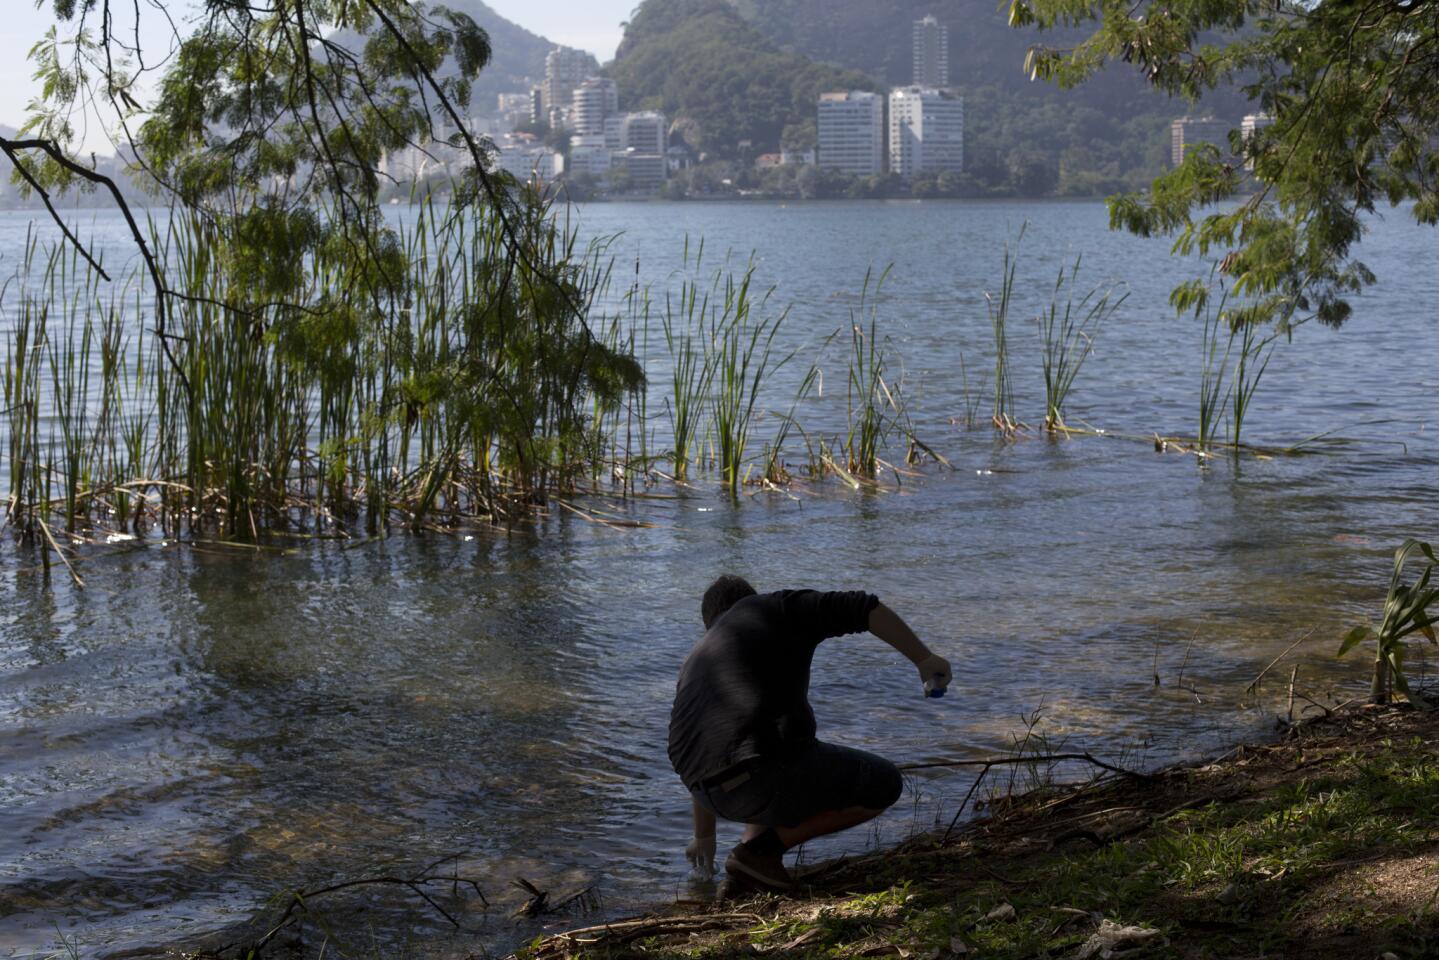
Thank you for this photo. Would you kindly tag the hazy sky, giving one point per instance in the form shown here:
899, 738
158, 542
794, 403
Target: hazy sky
592, 25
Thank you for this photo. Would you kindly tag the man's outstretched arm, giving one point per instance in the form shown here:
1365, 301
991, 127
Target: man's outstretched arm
701, 850
887, 625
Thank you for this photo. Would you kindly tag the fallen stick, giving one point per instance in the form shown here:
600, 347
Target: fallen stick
1037, 758
1253, 684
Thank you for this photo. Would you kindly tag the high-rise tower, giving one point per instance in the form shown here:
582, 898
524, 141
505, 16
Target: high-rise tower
565, 69
931, 54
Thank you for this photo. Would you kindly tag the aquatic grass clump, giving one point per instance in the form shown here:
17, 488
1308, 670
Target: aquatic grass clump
743, 341
1252, 360
471, 385
1223, 384
692, 365
776, 473
1211, 377
867, 393
1067, 337
973, 397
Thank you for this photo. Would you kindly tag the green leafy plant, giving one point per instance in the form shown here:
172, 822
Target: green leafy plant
1406, 612
1346, 91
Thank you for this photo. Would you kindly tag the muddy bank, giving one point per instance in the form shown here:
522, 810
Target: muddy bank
1325, 843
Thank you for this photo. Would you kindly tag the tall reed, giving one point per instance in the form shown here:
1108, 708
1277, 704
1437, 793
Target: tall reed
1250, 363
744, 357
1214, 365
1067, 337
998, 307
688, 328
973, 396
868, 394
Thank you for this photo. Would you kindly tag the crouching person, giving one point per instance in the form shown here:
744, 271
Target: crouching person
742, 734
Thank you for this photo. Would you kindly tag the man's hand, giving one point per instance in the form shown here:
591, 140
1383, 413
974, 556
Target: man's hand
933, 670
701, 855
934, 673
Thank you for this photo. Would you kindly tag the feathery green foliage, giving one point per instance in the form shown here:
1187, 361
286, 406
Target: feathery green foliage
1350, 90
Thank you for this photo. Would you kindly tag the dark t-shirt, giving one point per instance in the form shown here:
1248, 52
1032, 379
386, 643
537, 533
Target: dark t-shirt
743, 691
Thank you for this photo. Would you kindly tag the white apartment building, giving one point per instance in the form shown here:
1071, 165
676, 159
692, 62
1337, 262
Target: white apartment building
589, 154
592, 101
565, 69
851, 132
511, 110
926, 131
615, 132
528, 160
645, 132
931, 54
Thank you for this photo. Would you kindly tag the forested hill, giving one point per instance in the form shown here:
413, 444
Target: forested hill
876, 36
718, 78
1105, 135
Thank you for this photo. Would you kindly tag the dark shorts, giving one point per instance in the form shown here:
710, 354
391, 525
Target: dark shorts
786, 792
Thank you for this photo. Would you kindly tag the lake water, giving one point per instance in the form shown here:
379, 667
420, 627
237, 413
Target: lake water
203, 728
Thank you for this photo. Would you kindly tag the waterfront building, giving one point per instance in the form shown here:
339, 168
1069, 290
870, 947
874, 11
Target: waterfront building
1188, 132
647, 171
588, 154
591, 102
615, 132
931, 53
565, 69
1253, 123
926, 131
646, 132
851, 132
526, 159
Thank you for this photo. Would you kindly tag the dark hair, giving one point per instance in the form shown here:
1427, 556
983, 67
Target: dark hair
723, 594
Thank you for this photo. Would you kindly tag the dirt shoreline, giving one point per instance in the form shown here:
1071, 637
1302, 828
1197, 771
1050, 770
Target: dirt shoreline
1322, 844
